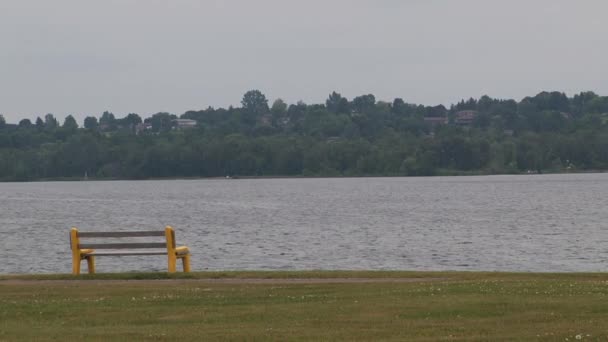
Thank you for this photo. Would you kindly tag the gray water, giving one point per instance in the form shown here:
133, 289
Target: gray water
505, 223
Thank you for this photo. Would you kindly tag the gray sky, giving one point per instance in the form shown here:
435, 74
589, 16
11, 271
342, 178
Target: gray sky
82, 57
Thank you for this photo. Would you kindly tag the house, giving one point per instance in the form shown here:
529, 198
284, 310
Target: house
144, 126
265, 120
465, 117
436, 120
184, 123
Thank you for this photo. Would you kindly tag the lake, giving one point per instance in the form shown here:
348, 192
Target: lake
556, 223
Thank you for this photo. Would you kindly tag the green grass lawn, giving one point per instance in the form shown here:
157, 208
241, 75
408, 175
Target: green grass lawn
441, 306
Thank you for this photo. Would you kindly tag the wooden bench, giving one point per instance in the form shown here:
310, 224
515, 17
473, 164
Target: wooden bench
88, 251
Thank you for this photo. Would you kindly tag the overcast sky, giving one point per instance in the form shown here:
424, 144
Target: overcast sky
83, 57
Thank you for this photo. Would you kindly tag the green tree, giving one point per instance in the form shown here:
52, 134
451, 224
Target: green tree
107, 121
485, 104
70, 123
90, 123
399, 106
25, 123
132, 120
50, 122
162, 122
482, 120
580, 101
255, 103
336, 103
597, 105
279, 107
39, 123
279, 112
364, 103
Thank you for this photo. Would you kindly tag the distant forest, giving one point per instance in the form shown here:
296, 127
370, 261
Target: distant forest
549, 132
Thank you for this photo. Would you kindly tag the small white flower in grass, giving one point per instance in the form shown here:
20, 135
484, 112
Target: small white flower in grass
579, 336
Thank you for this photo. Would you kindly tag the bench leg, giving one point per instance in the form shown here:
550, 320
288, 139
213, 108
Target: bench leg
171, 263
76, 265
91, 264
186, 262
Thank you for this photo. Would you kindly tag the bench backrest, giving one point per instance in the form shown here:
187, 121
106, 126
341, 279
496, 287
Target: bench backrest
168, 233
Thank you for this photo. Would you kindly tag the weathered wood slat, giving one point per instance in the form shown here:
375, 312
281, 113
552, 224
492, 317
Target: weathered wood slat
126, 253
141, 233
132, 245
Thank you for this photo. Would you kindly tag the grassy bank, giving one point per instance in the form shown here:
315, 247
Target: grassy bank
436, 306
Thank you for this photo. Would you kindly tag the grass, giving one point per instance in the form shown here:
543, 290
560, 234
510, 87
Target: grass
232, 275
448, 306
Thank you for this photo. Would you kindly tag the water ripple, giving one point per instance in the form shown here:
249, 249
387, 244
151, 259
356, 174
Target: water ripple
505, 223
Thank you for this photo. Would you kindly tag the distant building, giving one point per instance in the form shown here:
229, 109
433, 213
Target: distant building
265, 120
465, 117
184, 123
144, 126
436, 120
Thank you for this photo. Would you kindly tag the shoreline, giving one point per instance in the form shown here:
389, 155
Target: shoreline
295, 276
236, 177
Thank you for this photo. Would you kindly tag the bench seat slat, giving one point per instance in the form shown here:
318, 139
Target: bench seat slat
125, 253
132, 245
141, 233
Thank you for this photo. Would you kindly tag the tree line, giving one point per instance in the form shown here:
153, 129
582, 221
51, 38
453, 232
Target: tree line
548, 132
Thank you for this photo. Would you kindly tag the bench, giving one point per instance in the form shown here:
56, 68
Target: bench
88, 251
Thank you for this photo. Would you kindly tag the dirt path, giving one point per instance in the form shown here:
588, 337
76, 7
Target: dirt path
230, 281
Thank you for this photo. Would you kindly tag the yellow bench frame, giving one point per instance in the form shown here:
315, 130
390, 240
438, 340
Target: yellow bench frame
88, 252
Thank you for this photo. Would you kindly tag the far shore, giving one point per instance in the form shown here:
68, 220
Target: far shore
235, 177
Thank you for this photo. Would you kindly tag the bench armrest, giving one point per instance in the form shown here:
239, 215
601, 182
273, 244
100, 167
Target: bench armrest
182, 250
